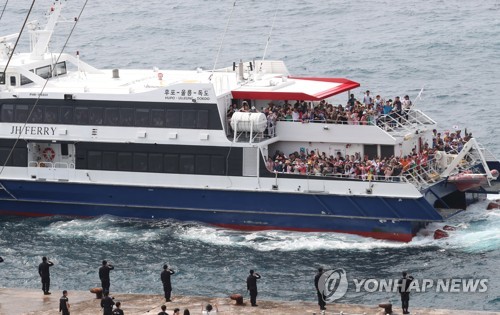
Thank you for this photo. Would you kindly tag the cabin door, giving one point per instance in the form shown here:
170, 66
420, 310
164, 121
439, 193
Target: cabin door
249, 161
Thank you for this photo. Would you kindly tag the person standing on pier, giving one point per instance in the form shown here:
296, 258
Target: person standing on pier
167, 285
64, 304
107, 304
118, 310
252, 287
104, 276
321, 298
43, 271
403, 288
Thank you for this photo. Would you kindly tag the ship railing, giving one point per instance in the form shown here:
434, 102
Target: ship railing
423, 176
404, 123
42, 170
364, 177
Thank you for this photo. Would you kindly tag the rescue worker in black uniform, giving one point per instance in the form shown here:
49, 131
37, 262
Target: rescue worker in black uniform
104, 275
167, 285
403, 288
43, 271
107, 304
64, 304
321, 297
252, 287
118, 310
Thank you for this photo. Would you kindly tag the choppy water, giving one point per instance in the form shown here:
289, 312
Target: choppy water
451, 48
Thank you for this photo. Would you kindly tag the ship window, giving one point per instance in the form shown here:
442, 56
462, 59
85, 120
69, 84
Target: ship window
111, 116
186, 164
142, 117
370, 150
51, 114
36, 115
126, 117
22, 112
61, 68
4, 153
188, 119
218, 165
157, 118
25, 80
109, 161
94, 160
95, 116
202, 164
202, 121
20, 157
13, 81
2, 78
66, 115
81, 115
386, 150
173, 118
44, 72
64, 149
171, 163
155, 163
7, 113
124, 161
140, 162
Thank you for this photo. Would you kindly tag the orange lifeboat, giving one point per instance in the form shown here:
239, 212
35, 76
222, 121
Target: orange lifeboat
467, 180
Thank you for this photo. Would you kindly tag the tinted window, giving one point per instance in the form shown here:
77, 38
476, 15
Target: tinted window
111, 117
155, 163
124, 161
126, 117
51, 114
4, 153
218, 165
173, 118
109, 161
140, 162
81, 115
25, 80
66, 115
202, 164
142, 117
171, 163
20, 157
202, 121
186, 164
94, 160
189, 118
44, 72
157, 118
7, 113
61, 68
36, 115
22, 112
95, 116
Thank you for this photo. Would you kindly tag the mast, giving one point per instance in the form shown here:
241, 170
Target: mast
40, 38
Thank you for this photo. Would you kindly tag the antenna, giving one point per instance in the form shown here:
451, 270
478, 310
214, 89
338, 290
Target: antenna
222, 40
268, 38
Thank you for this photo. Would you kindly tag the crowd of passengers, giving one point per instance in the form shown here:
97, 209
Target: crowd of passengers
355, 166
367, 111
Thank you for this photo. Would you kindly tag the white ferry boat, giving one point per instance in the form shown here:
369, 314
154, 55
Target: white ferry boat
80, 141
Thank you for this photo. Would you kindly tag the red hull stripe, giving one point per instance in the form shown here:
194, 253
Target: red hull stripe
400, 237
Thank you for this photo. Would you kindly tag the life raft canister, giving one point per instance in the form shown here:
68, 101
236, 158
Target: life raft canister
49, 154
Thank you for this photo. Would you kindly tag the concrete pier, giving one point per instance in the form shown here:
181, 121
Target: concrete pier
33, 302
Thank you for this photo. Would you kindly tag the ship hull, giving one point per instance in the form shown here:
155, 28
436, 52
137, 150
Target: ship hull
378, 217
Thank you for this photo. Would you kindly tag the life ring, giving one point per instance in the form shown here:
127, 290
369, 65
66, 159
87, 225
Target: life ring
49, 154
439, 156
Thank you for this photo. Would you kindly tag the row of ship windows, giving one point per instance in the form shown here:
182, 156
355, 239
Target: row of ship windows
107, 116
154, 162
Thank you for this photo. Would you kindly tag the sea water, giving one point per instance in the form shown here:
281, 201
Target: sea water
451, 49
